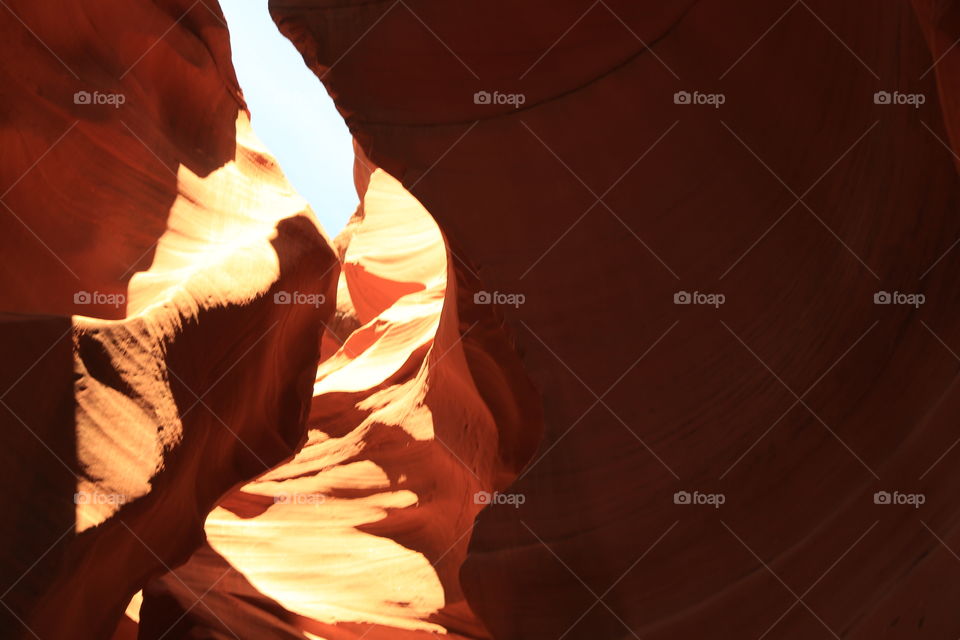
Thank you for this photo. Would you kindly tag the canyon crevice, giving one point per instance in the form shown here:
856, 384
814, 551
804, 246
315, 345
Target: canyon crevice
611, 348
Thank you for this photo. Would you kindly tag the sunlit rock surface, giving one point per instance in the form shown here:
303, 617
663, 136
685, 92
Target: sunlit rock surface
363, 533
609, 191
663, 468
139, 401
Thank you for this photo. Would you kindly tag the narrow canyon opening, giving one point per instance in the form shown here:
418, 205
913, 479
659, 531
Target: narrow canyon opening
420, 412
646, 318
292, 114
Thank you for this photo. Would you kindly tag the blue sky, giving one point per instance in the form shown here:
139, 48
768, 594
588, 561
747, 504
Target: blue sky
292, 113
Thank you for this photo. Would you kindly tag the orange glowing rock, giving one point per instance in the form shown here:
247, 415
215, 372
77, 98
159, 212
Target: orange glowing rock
554, 158
364, 531
129, 412
603, 193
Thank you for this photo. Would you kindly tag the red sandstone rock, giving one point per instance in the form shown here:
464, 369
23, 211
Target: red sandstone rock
599, 199
122, 431
363, 533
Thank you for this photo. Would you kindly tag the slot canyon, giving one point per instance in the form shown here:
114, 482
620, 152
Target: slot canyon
643, 326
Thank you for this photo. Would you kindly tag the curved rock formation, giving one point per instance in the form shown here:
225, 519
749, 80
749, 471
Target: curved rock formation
600, 159
363, 533
123, 426
719, 239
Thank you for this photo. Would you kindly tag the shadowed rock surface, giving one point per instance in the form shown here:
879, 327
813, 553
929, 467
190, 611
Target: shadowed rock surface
418, 416
125, 425
707, 374
599, 199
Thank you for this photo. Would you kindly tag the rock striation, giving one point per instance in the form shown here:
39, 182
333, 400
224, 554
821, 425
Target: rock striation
615, 160
133, 403
645, 326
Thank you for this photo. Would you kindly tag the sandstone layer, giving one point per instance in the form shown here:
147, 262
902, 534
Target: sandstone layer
133, 403
676, 280
605, 192
420, 412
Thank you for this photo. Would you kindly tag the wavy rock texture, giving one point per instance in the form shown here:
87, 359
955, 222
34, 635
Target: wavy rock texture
598, 199
125, 425
583, 213
363, 533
